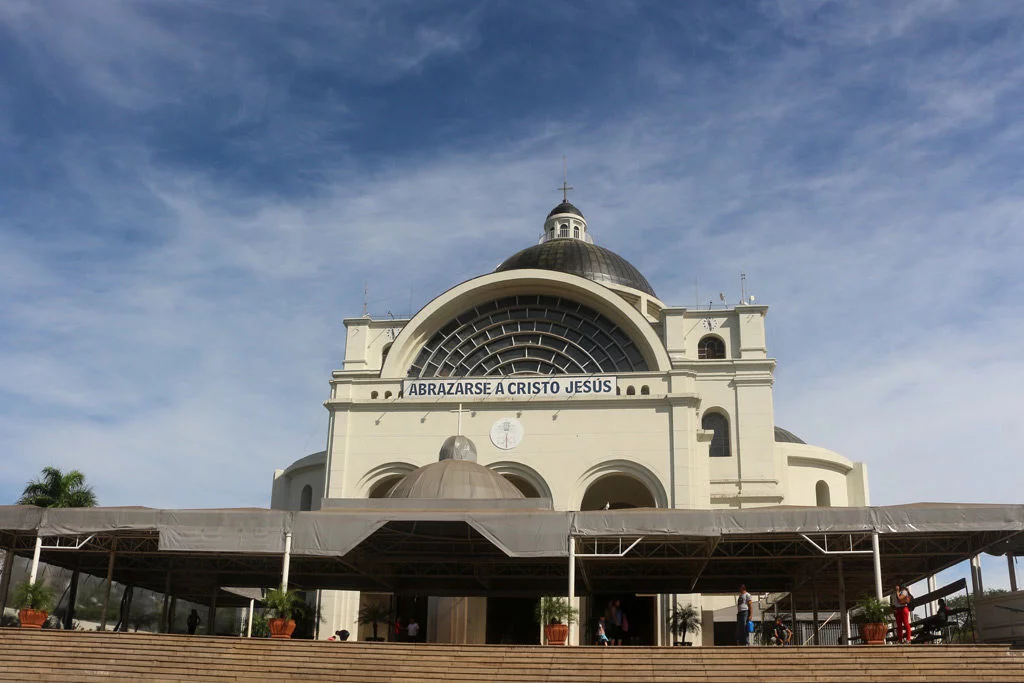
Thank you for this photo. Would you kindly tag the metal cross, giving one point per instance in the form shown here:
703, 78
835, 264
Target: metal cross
460, 411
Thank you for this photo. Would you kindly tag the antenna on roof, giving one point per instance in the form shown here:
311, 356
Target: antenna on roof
365, 286
743, 288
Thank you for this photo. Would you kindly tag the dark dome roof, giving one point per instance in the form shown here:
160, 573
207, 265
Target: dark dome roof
577, 257
565, 207
786, 436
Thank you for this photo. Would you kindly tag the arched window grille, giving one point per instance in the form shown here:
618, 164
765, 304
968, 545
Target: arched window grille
374, 394
719, 424
576, 231
630, 391
645, 390
530, 334
387, 394
306, 498
563, 230
711, 348
822, 496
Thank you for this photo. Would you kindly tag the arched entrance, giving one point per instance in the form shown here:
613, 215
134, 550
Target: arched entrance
381, 488
616, 489
617, 492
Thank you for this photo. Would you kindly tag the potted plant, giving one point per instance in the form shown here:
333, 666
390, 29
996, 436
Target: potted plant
374, 613
283, 604
34, 601
874, 616
683, 620
556, 614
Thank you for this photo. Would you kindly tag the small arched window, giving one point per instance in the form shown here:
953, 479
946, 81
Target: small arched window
576, 231
563, 230
711, 348
387, 394
374, 394
822, 496
618, 391
645, 390
306, 498
630, 391
719, 424
551, 232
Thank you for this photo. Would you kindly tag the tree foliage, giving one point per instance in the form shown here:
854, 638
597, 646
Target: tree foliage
55, 489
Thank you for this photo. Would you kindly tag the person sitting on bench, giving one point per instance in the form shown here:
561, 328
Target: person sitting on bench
935, 622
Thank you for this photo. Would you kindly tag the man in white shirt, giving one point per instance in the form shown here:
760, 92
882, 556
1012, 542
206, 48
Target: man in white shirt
744, 613
413, 630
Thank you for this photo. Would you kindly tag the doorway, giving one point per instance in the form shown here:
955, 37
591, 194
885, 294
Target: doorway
640, 613
510, 621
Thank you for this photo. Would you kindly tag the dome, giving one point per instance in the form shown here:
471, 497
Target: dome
786, 436
565, 207
578, 257
457, 448
459, 479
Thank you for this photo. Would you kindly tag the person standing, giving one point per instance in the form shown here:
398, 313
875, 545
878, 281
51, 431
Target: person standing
192, 622
413, 630
900, 601
744, 613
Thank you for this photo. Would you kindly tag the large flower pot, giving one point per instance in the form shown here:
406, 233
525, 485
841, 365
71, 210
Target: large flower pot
281, 628
874, 634
32, 618
556, 634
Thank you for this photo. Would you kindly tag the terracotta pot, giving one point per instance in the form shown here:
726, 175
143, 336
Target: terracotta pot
281, 628
556, 634
874, 634
32, 618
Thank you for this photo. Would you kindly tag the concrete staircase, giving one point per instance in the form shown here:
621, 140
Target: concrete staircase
87, 656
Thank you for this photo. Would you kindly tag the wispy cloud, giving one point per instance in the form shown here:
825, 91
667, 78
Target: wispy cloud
198, 194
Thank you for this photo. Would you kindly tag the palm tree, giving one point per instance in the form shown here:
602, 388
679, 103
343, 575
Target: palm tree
54, 489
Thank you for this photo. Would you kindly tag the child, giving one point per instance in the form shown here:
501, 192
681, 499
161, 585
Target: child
602, 637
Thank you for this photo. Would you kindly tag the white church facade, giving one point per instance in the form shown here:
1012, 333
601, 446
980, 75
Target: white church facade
578, 385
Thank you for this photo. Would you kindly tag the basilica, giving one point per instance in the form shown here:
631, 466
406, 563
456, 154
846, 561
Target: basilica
560, 381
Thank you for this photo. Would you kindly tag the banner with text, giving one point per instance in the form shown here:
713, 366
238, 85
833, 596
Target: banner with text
516, 387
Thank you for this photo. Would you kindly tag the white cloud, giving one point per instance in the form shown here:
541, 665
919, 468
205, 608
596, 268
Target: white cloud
181, 364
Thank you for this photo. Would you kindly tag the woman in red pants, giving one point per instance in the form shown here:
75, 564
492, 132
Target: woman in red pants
900, 601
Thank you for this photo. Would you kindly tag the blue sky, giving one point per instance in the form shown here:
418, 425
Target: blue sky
194, 194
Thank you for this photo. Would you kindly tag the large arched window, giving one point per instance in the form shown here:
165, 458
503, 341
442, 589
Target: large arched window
306, 498
822, 496
528, 334
711, 348
719, 424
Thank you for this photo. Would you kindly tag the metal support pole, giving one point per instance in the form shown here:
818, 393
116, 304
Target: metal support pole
876, 556
978, 584
931, 607
814, 618
5, 581
165, 610
106, 594
69, 613
287, 560
844, 612
252, 613
1013, 571
170, 614
572, 586
35, 560
792, 612
211, 614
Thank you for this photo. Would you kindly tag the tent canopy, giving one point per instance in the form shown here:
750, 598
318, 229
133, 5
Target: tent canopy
440, 547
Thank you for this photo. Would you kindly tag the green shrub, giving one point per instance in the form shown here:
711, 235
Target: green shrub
555, 611
34, 596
